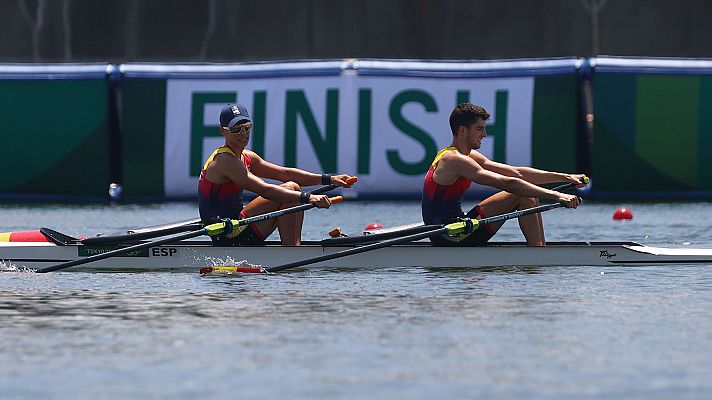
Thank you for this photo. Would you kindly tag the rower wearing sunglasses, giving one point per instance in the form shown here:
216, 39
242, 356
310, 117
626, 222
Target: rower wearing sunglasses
232, 168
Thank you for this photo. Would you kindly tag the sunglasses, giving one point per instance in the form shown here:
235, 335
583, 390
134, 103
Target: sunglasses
241, 129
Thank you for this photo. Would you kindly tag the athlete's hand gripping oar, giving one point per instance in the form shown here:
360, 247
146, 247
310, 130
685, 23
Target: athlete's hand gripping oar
183, 226
215, 229
467, 225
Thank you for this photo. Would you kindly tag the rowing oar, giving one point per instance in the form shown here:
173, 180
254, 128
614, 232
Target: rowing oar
455, 228
183, 226
567, 186
215, 229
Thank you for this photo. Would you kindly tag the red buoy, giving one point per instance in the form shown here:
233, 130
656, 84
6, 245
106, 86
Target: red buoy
623, 214
372, 226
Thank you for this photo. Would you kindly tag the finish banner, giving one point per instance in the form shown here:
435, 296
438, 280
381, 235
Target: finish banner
387, 131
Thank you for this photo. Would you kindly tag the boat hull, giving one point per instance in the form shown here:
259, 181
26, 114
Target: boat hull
191, 256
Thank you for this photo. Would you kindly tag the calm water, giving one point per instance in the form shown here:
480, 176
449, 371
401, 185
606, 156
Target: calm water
509, 333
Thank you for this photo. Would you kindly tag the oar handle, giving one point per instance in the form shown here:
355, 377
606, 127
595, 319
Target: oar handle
328, 188
567, 186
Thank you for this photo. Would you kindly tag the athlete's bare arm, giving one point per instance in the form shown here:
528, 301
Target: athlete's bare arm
468, 168
227, 167
266, 169
532, 175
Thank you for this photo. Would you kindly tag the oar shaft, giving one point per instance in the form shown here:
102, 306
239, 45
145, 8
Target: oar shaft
279, 213
519, 213
361, 249
565, 186
324, 189
275, 214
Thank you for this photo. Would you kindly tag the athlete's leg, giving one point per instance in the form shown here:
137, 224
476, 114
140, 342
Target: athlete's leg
290, 226
531, 225
503, 202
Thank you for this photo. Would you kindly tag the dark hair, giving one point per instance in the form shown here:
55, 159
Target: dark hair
466, 114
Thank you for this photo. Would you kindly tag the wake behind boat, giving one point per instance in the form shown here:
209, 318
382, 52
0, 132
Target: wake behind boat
39, 249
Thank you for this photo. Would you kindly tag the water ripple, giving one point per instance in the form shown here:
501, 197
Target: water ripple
514, 333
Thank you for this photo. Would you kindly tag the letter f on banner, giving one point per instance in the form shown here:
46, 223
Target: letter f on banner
198, 129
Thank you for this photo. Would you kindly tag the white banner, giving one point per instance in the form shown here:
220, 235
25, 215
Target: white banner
382, 129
